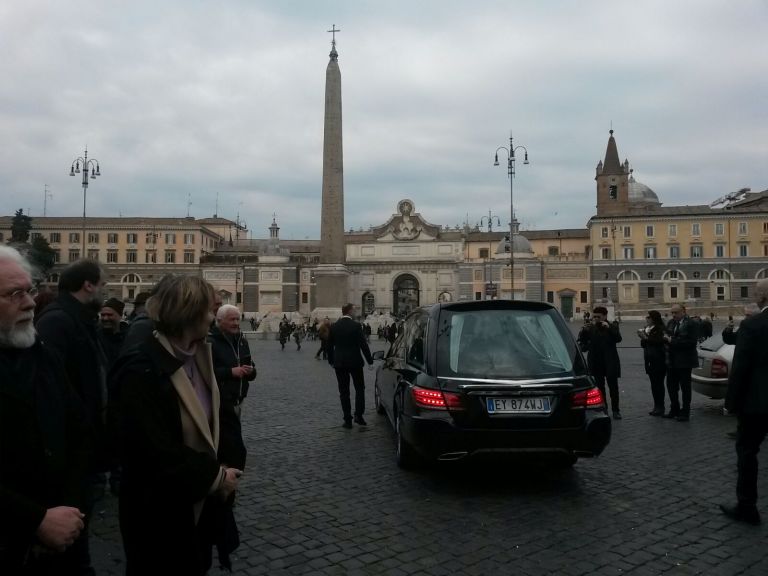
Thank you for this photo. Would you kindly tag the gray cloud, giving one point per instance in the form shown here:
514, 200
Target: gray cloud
203, 98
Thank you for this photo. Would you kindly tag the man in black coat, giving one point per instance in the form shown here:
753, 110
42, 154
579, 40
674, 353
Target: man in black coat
681, 341
43, 439
346, 342
68, 326
599, 339
747, 397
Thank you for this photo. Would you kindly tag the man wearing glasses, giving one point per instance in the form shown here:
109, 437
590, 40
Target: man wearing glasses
43, 439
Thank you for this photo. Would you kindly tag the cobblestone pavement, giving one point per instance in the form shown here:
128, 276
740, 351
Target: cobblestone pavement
319, 499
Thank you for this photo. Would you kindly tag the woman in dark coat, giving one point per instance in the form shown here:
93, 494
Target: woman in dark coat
168, 426
655, 356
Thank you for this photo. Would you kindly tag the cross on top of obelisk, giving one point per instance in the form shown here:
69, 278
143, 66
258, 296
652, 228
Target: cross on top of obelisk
333, 30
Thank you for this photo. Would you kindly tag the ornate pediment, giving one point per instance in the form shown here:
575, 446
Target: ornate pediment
406, 225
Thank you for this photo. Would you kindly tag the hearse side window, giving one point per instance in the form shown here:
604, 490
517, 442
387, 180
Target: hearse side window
416, 334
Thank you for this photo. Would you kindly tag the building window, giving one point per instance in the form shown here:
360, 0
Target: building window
697, 291
628, 292
151, 237
132, 238
743, 250
697, 274
629, 252
483, 252
696, 229
150, 257
719, 250
55, 237
605, 292
765, 227
605, 253
627, 231
478, 296
696, 252
553, 251
93, 237
650, 252
112, 256
112, 238
550, 297
189, 239
478, 275
673, 275
74, 255
170, 238
170, 257
604, 232
651, 292
720, 274
649, 275
93, 255
673, 292
765, 249
673, 230
583, 297
719, 229
189, 256
720, 293
742, 228
744, 292
613, 191
33, 236
57, 256
132, 256
649, 231
74, 237
674, 251
305, 298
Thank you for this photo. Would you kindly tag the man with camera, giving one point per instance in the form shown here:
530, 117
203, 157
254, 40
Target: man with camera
598, 338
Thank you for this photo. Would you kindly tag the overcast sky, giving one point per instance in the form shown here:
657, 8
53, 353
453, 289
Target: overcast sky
198, 98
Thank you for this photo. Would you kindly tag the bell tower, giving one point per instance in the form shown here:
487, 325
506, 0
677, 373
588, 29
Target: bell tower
612, 182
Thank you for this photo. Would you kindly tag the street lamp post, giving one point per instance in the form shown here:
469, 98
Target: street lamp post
489, 221
511, 173
88, 166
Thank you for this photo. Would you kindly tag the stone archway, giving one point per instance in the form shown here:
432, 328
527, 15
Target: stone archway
405, 294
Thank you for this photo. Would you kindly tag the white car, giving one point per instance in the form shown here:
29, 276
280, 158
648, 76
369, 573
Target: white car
715, 358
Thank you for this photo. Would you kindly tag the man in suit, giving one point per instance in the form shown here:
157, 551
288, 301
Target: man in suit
346, 342
747, 397
599, 339
681, 340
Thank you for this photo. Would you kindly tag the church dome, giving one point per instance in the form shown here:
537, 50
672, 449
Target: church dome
639, 192
520, 244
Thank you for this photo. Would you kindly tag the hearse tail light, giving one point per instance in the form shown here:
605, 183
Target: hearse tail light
719, 368
591, 398
436, 399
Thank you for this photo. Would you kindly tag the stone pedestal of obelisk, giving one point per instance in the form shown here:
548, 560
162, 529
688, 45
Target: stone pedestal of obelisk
331, 276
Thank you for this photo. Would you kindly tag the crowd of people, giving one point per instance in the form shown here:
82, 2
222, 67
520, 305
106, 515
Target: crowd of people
151, 406
152, 403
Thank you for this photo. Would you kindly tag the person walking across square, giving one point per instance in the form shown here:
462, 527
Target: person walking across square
599, 339
346, 343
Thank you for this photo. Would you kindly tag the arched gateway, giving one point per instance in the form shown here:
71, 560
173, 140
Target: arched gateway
405, 295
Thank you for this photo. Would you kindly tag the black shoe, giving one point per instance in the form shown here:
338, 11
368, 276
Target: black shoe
683, 417
347, 424
748, 515
616, 415
359, 420
671, 414
656, 412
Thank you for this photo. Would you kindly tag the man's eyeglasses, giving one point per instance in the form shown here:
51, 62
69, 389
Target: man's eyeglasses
18, 295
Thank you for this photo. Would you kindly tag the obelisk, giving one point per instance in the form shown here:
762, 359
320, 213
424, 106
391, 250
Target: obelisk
331, 276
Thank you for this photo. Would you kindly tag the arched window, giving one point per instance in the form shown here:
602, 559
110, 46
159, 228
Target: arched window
131, 279
720, 274
762, 274
673, 275
445, 297
53, 278
628, 276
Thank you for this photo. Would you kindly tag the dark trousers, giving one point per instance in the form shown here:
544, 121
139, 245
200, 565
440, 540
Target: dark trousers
358, 379
322, 351
750, 433
613, 387
657, 389
679, 379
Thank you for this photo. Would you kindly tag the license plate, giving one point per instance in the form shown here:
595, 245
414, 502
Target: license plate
522, 405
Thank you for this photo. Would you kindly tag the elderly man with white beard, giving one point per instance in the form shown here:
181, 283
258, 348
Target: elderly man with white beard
43, 446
